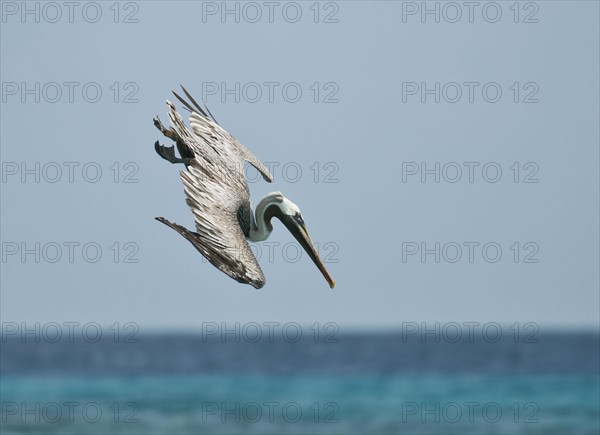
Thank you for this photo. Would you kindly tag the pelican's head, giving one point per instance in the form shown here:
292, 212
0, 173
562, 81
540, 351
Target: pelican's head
289, 214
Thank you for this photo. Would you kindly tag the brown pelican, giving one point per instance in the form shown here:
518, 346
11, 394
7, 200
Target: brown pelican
217, 192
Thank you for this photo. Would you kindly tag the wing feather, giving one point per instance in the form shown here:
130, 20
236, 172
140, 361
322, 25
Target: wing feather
207, 133
215, 205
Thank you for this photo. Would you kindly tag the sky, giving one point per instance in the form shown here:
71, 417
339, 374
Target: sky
445, 160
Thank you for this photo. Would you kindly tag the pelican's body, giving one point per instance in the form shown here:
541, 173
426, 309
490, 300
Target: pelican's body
217, 192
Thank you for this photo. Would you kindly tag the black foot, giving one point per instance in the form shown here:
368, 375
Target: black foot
168, 153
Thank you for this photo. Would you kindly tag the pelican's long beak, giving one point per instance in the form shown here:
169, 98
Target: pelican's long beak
299, 231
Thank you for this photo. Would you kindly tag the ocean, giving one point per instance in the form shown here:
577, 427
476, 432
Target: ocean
388, 383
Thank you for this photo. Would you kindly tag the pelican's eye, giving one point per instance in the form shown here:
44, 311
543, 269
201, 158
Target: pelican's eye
299, 219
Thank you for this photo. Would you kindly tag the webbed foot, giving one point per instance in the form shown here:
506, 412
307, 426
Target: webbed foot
168, 153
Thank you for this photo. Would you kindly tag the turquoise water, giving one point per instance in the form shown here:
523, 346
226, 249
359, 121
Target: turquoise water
264, 404
361, 384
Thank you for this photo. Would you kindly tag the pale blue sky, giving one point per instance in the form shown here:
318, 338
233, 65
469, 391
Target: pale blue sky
366, 135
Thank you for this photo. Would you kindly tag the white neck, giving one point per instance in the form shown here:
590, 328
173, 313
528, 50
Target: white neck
259, 230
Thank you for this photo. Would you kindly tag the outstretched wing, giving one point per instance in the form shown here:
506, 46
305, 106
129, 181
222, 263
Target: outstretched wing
207, 131
215, 202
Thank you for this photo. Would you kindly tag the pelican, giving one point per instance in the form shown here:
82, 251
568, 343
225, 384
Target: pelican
217, 193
